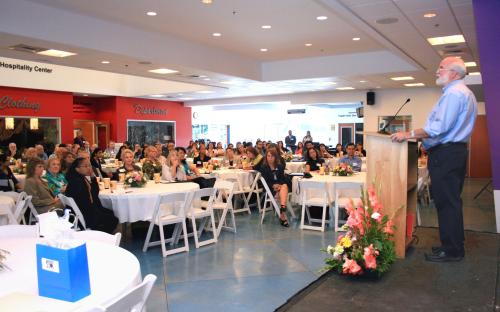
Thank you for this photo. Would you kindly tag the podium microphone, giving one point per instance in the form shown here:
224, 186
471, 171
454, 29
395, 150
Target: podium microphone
384, 131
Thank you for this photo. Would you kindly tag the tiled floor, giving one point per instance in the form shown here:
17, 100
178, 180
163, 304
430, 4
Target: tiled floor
261, 266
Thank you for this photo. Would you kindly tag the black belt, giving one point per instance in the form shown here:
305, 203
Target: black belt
444, 145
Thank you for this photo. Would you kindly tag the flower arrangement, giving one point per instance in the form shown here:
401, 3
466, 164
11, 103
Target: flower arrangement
215, 164
287, 156
342, 169
367, 245
135, 179
21, 169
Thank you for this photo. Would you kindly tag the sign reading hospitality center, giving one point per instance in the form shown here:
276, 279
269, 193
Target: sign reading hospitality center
139, 109
25, 67
9, 102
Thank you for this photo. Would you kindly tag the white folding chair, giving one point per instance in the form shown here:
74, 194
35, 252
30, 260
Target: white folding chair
224, 191
134, 300
254, 189
68, 201
18, 231
170, 209
239, 192
268, 200
33, 213
21, 207
309, 190
341, 198
99, 236
195, 212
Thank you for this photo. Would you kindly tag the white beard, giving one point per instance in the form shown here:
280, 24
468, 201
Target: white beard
443, 80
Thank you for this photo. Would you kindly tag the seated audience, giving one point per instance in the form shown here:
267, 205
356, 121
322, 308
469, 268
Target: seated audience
151, 165
96, 160
307, 146
13, 152
339, 151
42, 197
55, 179
40, 153
230, 159
323, 152
178, 169
211, 152
281, 148
110, 150
8, 182
240, 150
274, 173
67, 160
314, 162
299, 150
83, 188
29, 153
220, 150
120, 150
360, 152
254, 159
352, 160
128, 164
202, 157
137, 152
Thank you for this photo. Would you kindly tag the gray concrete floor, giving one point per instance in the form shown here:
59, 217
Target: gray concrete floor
261, 266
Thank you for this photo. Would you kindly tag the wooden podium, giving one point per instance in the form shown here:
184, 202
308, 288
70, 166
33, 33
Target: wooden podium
393, 167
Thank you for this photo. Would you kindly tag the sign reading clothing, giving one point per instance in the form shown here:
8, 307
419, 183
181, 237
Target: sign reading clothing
139, 109
9, 102
29, 68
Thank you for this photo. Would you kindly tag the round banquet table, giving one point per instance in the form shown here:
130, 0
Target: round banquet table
331, 181
138, 203
112, 271
244, 177
295, 166
7, 206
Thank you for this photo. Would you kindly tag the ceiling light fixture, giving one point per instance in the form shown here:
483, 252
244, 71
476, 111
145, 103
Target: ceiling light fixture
206, 1
446, 39
205, 91
266, 26
9, 123
402, 78
417, 84
430, 15
151, 13
162, 71
345, 88
230, 82
308, 44
322, 18
34, 123
105, 62
362, 81
56, 53
216, 34
263, 50
470, 64
157, 95
356, 39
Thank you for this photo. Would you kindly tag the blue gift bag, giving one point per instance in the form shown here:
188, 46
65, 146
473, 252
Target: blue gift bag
63, 273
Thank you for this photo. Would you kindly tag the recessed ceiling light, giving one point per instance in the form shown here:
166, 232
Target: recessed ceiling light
402, 78
446, 40
470, 64
186, 99
151, 13
157, 95
230, 82
356, 39
105, 62
162, 71
205, 91
308, 44
266, 26
475, 73
417, 84
206, 1
430, 15
362, 81
263, 50
56, 53
322, 18
202, 76
206, 79
327, 83
216, 34
345, 88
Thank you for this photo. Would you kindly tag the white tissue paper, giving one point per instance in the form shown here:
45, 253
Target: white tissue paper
58, 232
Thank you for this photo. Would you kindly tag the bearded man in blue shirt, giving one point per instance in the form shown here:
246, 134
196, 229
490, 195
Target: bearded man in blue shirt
445, 136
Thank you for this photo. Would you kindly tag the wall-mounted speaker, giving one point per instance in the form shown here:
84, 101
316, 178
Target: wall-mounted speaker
370, 98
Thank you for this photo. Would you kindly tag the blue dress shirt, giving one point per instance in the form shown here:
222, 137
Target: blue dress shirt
355, 162
452, 118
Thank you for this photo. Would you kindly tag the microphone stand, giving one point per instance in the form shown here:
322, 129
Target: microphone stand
384, 129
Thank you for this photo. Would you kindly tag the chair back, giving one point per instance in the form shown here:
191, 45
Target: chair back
99, 236
348, 185
21, 207
180, 202
269, 196
255, 183
224, 189
18, 231
68, 201
135, 299
199, 194
306, 185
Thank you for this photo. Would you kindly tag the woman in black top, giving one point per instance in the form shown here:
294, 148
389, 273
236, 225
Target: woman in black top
313, 162
273, 172
83, 188
202, 157
8, 182
95, 161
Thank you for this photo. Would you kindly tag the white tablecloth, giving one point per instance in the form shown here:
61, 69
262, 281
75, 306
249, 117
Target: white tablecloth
330, 180
112, 270
139, 203
245, 177
295, 166
7, 204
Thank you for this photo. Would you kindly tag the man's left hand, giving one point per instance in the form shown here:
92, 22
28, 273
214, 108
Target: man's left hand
399, 136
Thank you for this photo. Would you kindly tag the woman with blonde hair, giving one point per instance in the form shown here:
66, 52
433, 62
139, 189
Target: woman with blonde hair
151, 165
128, 164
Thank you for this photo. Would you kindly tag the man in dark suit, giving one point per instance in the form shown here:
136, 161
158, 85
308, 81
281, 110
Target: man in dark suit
290, 141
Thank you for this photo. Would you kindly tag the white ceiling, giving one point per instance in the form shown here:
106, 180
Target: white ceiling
180, 37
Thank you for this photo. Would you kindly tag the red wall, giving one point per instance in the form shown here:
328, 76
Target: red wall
52, 104
125, 109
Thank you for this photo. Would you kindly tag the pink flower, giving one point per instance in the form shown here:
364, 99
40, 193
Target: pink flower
388, 229
137, 178
339, 238
351, 267
349, 207
370, 257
